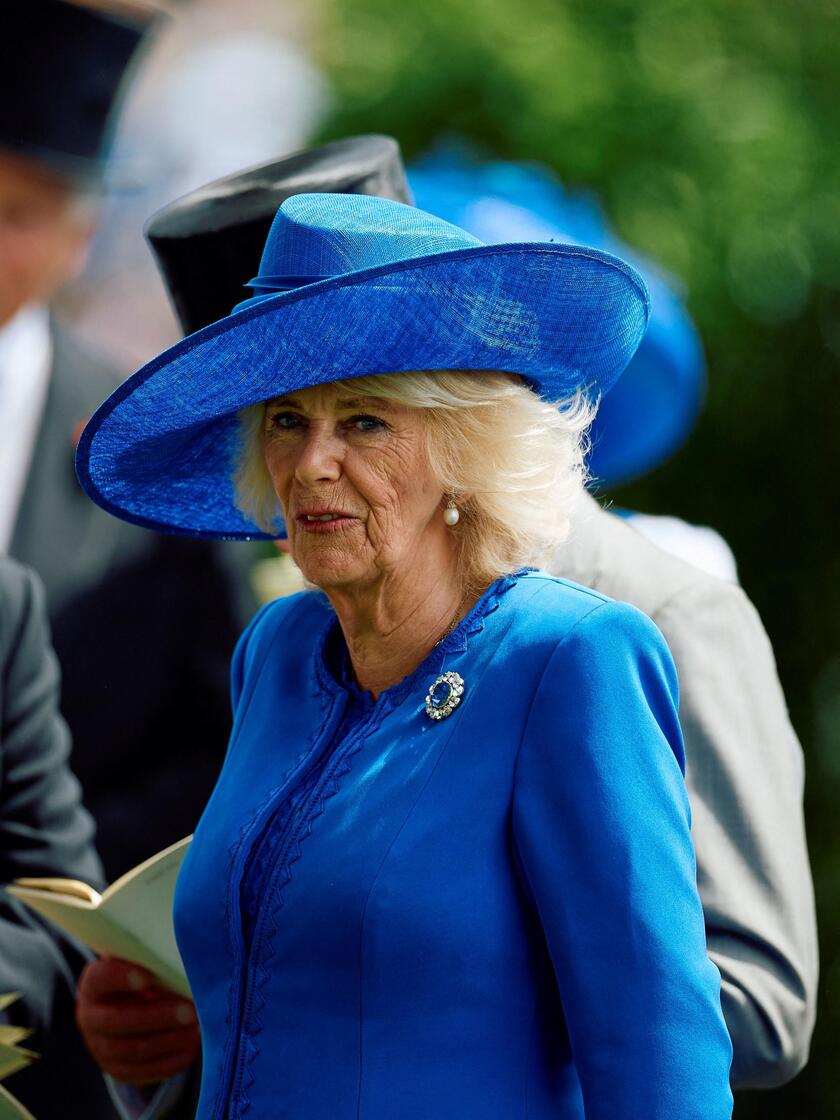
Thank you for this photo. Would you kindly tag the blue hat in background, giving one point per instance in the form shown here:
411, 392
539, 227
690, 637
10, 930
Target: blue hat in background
351, 285
657, 401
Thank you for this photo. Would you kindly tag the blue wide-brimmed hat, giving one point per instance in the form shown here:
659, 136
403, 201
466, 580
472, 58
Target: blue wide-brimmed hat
351, 285
654, 406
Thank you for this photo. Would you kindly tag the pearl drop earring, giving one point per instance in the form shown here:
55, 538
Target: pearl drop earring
451, 515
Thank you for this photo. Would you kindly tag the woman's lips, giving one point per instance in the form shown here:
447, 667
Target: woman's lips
322, 521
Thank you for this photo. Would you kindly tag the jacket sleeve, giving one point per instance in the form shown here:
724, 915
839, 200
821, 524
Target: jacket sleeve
265, 628
745, 778
44, 830
601, 832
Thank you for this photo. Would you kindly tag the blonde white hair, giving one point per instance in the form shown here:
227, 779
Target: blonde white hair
513, 463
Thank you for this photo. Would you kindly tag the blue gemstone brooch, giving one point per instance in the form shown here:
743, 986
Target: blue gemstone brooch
444, 696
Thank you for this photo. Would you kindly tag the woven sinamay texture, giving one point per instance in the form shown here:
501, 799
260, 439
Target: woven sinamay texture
649, 413
404, 291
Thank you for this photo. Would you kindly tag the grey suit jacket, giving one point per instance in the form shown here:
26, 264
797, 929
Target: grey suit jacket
43, 831
143, 626
65, 537
745, 778
70, 542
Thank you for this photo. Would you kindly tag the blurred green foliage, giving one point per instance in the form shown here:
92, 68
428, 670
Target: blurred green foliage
708, 127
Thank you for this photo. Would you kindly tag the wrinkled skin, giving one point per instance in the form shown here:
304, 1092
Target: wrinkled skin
387, 563
359, 456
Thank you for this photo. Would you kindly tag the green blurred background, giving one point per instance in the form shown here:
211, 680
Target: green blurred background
709, 129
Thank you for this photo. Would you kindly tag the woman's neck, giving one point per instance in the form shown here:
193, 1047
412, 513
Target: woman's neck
390, 627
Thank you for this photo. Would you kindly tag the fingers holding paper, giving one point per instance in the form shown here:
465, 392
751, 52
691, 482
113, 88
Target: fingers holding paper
137, 1033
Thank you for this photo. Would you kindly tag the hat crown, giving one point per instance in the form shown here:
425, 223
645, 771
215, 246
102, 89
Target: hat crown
315, 236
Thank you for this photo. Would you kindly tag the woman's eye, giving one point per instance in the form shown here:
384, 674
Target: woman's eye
367, 423
284, 421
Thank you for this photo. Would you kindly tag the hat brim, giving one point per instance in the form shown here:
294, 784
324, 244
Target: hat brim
161, 451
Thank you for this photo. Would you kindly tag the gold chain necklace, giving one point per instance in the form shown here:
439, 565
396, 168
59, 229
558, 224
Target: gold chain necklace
456, 618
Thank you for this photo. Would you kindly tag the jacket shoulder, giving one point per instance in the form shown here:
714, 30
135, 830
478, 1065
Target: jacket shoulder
300, 606
305, 612
558, 607
607, 553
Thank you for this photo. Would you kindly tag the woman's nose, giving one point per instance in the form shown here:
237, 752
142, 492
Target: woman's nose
320, 455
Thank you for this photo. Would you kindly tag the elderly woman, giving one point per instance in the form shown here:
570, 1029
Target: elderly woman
446, 870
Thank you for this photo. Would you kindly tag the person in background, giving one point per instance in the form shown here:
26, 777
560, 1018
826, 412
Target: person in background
44, 831
660, 396
744, 764
143, 625
223, 86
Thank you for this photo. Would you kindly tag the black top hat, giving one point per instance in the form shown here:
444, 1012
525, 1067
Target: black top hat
209, 243
62, 70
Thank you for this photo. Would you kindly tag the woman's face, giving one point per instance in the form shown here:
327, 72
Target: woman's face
353, 479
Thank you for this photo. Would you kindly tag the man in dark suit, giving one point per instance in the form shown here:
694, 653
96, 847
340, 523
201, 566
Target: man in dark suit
143, 625
44, 831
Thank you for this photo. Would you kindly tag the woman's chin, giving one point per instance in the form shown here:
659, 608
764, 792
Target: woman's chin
326, 570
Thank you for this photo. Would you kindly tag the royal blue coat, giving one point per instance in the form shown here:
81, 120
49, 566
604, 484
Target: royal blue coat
483, 917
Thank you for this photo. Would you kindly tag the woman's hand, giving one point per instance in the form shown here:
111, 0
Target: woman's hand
137, 1033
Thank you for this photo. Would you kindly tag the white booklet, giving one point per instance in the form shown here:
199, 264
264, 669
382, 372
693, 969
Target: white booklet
132, 919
